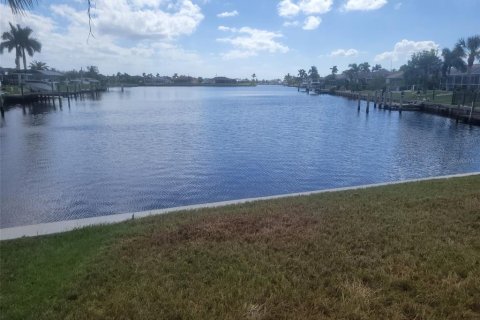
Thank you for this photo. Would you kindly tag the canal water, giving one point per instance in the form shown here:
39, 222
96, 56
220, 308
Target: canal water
159, 147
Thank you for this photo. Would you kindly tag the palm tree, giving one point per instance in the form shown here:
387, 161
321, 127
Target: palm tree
19, 38
364, 67
30, 45
19, 6
470, 49
302, 74
253, 77
377, 67
11, 40
313, 73
38, 65
453, 58
334, 70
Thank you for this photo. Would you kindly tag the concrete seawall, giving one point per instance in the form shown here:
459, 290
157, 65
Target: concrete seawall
68, 225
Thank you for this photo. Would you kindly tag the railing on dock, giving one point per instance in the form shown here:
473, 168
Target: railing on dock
462, 106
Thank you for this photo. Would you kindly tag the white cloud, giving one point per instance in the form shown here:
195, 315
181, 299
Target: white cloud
249, 42
291, 8
291, 23
65, 47
138, 18
344, 53
223, 28
364, 5
315, 6
311, 23
404, 49
398, 6
227, 14
286, 8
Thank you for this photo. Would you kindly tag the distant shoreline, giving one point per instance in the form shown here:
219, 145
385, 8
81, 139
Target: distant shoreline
183, 85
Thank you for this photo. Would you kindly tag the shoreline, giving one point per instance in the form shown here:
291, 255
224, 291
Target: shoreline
394, 252
40, 229
460, 113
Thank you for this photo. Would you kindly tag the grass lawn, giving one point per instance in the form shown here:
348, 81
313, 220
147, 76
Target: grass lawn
439, 96
409, 251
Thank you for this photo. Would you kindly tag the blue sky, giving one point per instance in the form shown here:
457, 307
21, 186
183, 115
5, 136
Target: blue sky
238, 38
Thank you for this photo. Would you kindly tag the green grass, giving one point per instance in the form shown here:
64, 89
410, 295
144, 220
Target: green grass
440, 96
443, 97
409, 251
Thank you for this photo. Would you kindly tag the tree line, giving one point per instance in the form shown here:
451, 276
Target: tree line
425, 69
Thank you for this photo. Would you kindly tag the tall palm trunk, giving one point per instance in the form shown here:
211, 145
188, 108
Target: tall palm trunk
17, 58
470, 60
24, 60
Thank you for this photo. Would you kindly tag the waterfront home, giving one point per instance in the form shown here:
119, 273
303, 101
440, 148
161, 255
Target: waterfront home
49, 75
395, 81
158, 81
464, 80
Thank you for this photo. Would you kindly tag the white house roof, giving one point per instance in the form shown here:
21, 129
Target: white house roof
48, 73
475, 70
396, 75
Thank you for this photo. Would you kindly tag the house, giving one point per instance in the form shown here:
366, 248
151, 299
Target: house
464, 80
208, 81
156, 81
395, 81
50, 75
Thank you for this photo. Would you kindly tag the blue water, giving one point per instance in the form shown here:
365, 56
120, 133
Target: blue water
149, 148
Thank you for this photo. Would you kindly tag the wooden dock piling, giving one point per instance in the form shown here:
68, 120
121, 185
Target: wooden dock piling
368, 103
391, 101
474, 100
401, 103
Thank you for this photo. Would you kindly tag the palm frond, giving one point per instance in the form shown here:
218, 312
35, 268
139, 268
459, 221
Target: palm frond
20, 6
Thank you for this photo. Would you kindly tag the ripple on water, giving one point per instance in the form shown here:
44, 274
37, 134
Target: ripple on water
149, 148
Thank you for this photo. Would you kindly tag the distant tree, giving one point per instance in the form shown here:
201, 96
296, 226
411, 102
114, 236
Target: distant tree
470, 49
377, 67
423, 69
175, 76
352, 75
92, 71
302, 74
38, 65
313, 73
254, 76
334, 70
453, 58
290, 80
364, 67
18, 38
354, 67
157, 75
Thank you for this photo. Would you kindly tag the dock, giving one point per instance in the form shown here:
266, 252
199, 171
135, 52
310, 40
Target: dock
461, 113
7, 100
31, 97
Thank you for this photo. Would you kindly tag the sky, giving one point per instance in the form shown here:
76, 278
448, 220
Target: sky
210, 38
